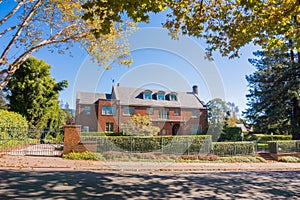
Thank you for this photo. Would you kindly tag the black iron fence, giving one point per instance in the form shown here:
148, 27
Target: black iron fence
284, 146
187, 145
24, 141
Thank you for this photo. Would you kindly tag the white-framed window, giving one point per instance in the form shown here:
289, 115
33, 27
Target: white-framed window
165, 132
129, 111
87, 110
85, 129
147, 95
173, 97
109, 127
160, 96
108, 110
195, 113
177, 112
150, 111
164, 113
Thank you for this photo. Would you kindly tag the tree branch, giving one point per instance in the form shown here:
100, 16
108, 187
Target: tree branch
8, 29
12, 12
16, 36
17, 63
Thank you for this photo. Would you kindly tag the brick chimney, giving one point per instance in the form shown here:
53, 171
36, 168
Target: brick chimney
195, 89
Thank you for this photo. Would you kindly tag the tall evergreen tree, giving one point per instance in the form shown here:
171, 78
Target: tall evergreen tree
34, 94
274, 102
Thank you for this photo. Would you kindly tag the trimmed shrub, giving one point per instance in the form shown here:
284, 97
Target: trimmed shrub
289, 159
231, 134
12, 125
165, 144
83, 156
101, 134
233, 148
208, 157
248, 159
268, 137
125, 156
12, 119
284, 146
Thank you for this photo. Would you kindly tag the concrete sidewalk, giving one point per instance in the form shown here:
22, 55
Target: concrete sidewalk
46, 163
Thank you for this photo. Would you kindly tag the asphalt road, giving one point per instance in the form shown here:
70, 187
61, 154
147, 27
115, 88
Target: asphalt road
69, 184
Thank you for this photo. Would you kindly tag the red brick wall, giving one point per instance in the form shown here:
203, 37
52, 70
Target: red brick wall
83, 119
119, 118
72, 139
103, 119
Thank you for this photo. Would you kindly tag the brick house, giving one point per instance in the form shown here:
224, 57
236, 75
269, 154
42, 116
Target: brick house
174, 112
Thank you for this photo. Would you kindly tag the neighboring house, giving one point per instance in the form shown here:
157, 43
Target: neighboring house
174, 112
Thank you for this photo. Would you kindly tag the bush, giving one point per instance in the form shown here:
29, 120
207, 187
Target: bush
268, 137
208, 157
56, 138
101, 134
165, 144
231, 134
243, 159
125, 156
289, 159
12, 119
12, 125
83, 156
284, 146
233, 148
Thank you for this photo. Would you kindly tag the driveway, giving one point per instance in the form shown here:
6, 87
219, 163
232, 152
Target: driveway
23, 184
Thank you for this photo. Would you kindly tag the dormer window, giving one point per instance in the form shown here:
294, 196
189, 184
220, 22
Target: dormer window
160, 96
173, 97
147, 94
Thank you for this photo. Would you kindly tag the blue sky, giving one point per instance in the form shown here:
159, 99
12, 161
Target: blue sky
158, 66
151, 62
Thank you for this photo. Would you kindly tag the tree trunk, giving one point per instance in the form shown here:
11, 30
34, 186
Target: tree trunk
295, 121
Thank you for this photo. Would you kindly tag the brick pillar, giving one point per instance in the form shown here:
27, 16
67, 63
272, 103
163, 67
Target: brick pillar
71, 138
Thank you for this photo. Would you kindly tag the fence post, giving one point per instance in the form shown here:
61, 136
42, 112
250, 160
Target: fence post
235, 148
71, 138
131, 144
277, 147
188, 147
162, 144
256, 146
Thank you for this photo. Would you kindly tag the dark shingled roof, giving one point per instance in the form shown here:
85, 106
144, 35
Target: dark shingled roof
133, 96
90, 97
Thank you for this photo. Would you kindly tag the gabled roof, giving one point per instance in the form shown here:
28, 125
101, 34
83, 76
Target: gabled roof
131, 96
90, 97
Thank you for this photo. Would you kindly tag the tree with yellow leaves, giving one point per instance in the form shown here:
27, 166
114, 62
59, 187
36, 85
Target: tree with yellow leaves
57, 24
100, 28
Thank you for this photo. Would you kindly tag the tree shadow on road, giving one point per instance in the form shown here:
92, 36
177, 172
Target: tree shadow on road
107, 185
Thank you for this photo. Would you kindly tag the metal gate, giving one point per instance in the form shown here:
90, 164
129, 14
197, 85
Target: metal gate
32, 142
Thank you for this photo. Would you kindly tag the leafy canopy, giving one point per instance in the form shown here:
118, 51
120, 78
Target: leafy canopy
101, 26
12, 119
273, 99
57, 24
34, 94
140, 126
226, 25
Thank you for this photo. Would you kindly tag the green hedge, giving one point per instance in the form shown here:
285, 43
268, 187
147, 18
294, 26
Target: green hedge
12, 119
284, 146
233, 148
166, 144
268, 137
101, 134
231, 134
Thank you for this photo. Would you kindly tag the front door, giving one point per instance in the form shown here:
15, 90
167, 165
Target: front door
175, 129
